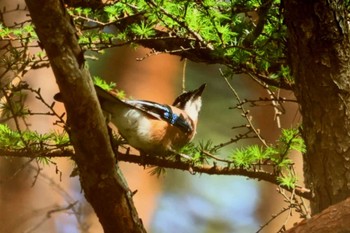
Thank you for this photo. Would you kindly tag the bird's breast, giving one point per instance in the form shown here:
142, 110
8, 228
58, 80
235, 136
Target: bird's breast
149, 134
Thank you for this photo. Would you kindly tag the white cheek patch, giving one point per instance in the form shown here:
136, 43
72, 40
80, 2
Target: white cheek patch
192, 108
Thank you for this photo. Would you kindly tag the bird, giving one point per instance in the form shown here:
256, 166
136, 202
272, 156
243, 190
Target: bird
150, 127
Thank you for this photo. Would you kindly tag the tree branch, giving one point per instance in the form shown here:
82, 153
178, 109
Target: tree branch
214, 169
101, 180
210, 169
262, 17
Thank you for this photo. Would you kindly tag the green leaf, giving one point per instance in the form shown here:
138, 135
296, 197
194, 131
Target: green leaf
108, 86
289, 180
143, 29
242, 157
60, 138
292, 140
103, 84
10, 138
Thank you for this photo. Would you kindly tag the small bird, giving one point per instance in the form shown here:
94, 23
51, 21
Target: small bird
153, 128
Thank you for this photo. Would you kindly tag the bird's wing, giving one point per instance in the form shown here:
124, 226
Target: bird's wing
110, 101
163, 112
152, 109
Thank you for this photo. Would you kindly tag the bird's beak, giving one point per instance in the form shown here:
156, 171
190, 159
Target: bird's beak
199, 91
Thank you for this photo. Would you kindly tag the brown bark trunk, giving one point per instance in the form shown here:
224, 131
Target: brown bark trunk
334, 219
102, 182
318, 43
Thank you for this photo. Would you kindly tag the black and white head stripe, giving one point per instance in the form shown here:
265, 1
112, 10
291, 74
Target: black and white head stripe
182, 99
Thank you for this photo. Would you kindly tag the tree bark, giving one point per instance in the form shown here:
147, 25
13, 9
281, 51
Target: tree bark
319, 56
334, 219
101, 180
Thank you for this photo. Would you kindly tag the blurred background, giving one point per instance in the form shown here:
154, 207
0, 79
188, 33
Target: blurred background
37, 198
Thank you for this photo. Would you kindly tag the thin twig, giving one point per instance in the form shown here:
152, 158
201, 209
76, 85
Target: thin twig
19, 170
277, 106
184, 75
216, 158
245, 112
236, 139
272, 218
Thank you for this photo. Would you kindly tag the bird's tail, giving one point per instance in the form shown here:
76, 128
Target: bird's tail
102, 95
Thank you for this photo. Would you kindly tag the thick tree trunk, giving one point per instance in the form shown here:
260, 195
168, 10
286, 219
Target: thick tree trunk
101, 180
319, 49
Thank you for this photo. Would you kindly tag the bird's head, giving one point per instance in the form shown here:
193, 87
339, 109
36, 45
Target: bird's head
190, 102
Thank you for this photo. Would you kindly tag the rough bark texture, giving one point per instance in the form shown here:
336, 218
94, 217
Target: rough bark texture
319, 55
101, 181
334, 219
